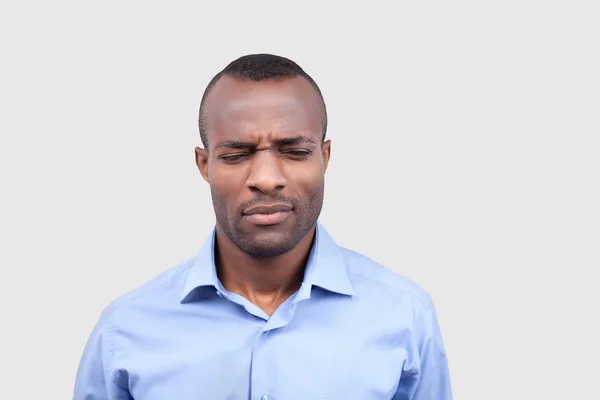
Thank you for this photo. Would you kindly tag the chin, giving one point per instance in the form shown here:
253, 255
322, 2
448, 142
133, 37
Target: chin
272, 240
267, 244
261, 251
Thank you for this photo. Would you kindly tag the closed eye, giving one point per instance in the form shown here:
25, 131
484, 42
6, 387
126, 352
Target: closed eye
233, 157
298, 154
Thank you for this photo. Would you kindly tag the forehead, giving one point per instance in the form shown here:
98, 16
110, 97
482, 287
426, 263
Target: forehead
239, 109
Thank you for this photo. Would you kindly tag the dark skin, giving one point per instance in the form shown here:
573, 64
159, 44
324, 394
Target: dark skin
265, 147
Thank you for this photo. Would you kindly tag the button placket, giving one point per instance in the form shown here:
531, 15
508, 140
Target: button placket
261, 389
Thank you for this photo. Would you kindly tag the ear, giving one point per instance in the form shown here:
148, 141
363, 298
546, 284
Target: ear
326, 154
202, 162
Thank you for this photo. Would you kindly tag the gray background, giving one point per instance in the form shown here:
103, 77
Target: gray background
464, 156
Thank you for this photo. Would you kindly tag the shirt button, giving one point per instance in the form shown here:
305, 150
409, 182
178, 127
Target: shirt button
265, 397
219, 293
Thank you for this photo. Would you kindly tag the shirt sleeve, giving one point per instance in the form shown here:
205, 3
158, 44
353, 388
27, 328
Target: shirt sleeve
95, 379
428, 378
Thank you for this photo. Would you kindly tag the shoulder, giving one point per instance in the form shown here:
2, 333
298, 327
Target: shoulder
165, 286
374, 278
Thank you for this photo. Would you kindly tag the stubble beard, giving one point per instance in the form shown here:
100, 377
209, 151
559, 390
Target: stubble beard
272, 242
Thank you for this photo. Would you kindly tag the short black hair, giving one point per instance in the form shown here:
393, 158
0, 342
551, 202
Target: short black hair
259, 67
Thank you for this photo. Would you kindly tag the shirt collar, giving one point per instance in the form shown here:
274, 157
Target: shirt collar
325, 268
203, 272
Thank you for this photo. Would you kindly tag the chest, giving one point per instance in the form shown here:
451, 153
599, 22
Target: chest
284, 364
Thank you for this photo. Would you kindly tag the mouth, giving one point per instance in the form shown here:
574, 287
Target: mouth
268, 214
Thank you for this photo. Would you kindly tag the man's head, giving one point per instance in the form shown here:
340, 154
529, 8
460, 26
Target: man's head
263, 123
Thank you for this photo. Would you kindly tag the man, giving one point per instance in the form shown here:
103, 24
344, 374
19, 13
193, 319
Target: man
270, 308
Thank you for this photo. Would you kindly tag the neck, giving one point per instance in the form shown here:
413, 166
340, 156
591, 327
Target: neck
266, 282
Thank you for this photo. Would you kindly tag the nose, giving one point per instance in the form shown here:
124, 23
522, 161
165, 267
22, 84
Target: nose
265, 173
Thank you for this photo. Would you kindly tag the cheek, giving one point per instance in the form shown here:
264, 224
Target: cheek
308, 179
226, 184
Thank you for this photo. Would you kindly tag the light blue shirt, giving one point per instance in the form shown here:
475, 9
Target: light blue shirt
354, 330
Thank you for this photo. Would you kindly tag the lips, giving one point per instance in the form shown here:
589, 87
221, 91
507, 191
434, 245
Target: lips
268, 209
267, 214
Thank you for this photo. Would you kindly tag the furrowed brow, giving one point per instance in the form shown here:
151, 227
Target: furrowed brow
234, 144
296, 140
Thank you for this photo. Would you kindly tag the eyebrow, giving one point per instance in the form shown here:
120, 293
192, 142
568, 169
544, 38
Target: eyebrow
296, 140
235, 144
